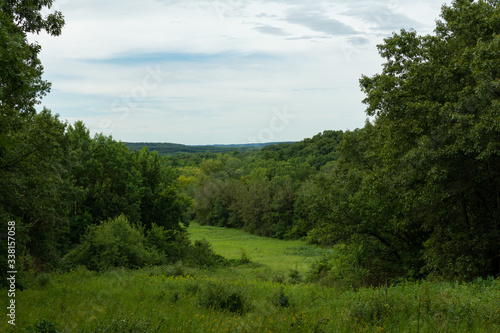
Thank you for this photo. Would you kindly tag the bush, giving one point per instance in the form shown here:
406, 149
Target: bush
173, 244
43, 326
294, 276
342, 269
42, 280
224, 297
373, 309
114, 243
201, 254
279, 299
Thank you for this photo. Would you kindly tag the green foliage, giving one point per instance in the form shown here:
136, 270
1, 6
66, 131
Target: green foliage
280, 299
173, 244
245, 259
31, 145
43, 326
224, 297
436, 107
201, 254
114, 243
374, 309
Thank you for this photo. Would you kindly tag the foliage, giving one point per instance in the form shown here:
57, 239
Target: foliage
171, 243
114, 243
201, 254
224, 297
81, 301
260, 192
280, 299
43, 326
30, 144
436, 109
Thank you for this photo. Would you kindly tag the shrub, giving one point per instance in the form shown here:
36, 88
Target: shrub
201, 254
279, 299
42, 280
341, 270
114, 243
173, 244
294, 276
224, 297
43, 326
245, 259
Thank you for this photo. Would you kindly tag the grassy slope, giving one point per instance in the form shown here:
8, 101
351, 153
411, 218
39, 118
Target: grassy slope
279, 255
172, 298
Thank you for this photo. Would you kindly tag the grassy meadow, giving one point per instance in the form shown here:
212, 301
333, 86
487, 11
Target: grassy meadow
279, 255
263, 295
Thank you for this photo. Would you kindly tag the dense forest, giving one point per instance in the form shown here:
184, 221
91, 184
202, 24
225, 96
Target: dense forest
164, 148
415, 192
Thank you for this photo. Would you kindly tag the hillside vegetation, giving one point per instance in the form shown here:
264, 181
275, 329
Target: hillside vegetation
262, 293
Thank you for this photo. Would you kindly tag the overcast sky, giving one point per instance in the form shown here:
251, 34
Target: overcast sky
219, 72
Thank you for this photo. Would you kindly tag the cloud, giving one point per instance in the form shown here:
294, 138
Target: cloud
359, 41
266, 29
225, 65
309, 37
383, 18
320, 22
194, 60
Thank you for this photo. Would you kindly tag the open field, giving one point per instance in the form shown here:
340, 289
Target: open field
250, 297
279, 255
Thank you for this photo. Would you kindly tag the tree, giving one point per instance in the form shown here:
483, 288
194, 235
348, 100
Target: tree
21, 84
437, 107
32, 177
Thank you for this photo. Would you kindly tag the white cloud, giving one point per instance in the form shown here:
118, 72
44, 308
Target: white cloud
225, 65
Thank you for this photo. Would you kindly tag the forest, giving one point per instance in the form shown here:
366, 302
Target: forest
414, 195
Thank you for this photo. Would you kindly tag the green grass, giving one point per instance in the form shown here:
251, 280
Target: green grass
149, 300
246, 298
279, 255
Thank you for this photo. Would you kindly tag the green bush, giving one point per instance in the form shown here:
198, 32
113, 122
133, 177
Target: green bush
279, 299
224, 297
343, 269
43, 326
114, 243
201, 254
294, 276
42, 280
173, 244
374, 308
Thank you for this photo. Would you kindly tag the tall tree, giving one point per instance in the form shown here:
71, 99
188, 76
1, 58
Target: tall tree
437, 105
31, 145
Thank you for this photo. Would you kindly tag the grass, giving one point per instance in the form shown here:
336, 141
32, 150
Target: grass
147, 300
246, 298
279, 255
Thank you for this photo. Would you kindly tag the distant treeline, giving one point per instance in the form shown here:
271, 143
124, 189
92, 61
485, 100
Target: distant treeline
165, 148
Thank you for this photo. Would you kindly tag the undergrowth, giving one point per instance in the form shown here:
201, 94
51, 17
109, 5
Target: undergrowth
178, 298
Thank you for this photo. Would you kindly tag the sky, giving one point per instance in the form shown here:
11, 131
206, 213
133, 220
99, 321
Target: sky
223, 71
